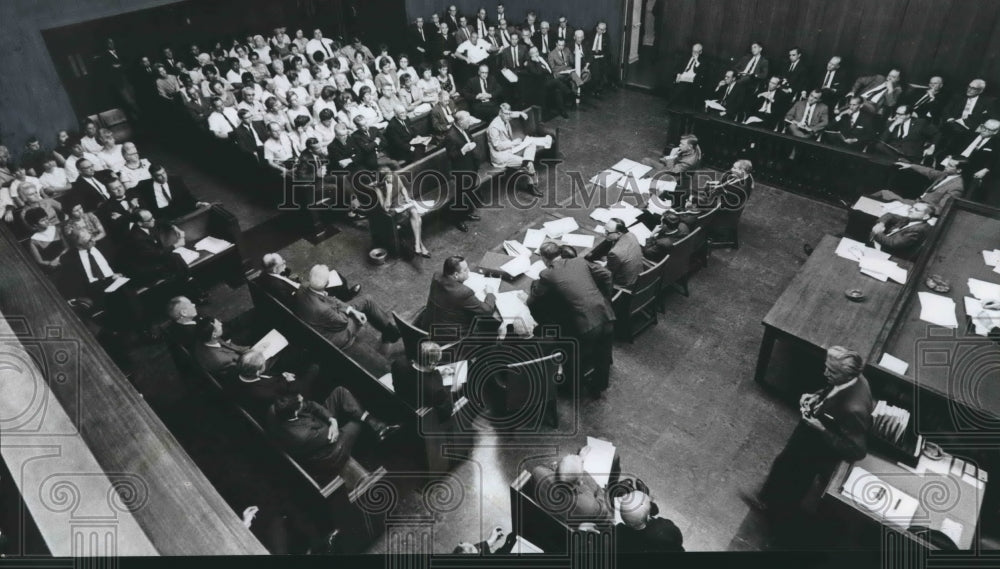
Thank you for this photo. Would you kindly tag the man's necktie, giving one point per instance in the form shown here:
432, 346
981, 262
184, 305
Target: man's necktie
791, 67
828, 80
729, 89
751, 66
166, 191
969, 104
95, 268
976, 143
597, 43
513, 50
482, 83
854, 119
808, 116
922, 100
99, 187
690, 66
821, 396
545, 43
422, 38
872, 94
326, 48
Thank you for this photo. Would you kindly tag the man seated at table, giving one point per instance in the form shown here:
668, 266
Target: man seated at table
623, 252
588, 501
640, 532
903, 235
151, 259
945, 185
509, 152
808, 118
685, 156
419, 383
322, 436
334, 319
853, 127
166, 198
585, 290
664, 237
834, 427
278, 280
451, 303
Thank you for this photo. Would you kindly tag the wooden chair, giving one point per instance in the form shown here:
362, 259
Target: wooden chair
530, 520
700, 258
635, 308
412, 335
676, 267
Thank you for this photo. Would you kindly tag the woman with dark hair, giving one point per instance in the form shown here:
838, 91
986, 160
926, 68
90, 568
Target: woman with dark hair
429, 84
77, 219
446, 80
46, 244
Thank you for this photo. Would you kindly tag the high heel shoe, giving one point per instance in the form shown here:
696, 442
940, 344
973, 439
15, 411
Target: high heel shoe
424, 254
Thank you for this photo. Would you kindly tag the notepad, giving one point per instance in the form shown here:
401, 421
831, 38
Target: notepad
534, 238
517, 266
625, 165
937, 309
893, 364
984, 290
983, 320
889, 269
509, 305
559, 227
119, 282
713, 104
869, 206
855, 251
601, 214
882, 499
188, 255
212, 244
578, 240
334, 280
599, 460
271, 344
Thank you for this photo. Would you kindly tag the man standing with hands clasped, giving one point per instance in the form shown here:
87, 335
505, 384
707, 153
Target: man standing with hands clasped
834, 427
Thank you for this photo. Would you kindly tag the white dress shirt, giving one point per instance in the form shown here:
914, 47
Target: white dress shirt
102, 264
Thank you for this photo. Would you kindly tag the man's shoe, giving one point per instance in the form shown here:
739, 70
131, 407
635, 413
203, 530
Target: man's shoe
473, 217
386, 431
355, 290
461, 226
533, 190
807, 249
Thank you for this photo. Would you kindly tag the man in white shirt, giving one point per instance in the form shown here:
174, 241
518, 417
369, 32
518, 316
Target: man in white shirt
53, 179
79, 153
506, 151
279, 148
251, 104
223, 120
281, 82
89, 138
321, 44
473, 51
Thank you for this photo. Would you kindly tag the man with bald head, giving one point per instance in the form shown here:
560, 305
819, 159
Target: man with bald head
832, 82
338, 321
834, 427
587, 503
928, 103
964, 114
879, 92
689, 80
640, 532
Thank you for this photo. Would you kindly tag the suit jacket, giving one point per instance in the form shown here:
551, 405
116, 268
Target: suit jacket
461, 34
219, 361
625, 260
439, 121
699, 69
585, 288
760, 72
473, 88
847, 416
837, 88
74, 275
257, 395
306, 437
928, 108
684, 161
550, 37
338, 151
560, 60
437, 45
507, 58
278, 288
982, 110
941, 189
183, 334
900, 240
181, 199
888, 100
779, 106
367, 148
863, 128
735, 101
326, 314
797, 79
147, 257
454, 141
397, 140
659, 245
910, 144
198, 109
452, 303
421, 389
89, 197
984, 157
659, 536
605, 50
117, 228
417, 41
819, 118
245, 141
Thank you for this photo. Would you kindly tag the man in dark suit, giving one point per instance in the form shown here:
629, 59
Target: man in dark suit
169, 61
730, 95
212, 353
880, 93
854, 126
753, 68
513, 59
398, 136
165, 197
544, 39
664, 237
114, 213
278, 280
976, 153
322, 436
945, 185
928, 103
342, 152
832, 82
465, 167
256, 390
834, 427
250, 135
420, 384
585, 289
451, 18
419, 45
440, 43
623, 252
689, 80
89, 269
601, 64
901, 235
184, 318
367, 142
87, 189
452, 304
768, 106
795, 75
543, 86
150, 259
964, 114
442, 115
337, 321
907, 137
483, 94
640, 532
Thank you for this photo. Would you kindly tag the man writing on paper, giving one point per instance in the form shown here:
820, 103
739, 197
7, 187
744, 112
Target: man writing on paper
451, 303
807, 119
945, 185
903, 235
587, 503
623, 252
585, 290
834, 427
509, 152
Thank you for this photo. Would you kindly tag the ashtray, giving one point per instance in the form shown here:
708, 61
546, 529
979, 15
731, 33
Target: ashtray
938, 284
854, 294
932, 451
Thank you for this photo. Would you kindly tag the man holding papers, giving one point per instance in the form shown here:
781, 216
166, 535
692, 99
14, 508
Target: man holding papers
903, 235
152, 259
623, 252
451, 303
584, 291
588, 502
506, 151
420, 384
834, 427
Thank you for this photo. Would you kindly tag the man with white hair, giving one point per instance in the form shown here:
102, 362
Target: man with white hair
964, 114
184, 319
398, 137
278, 280
587, 503
640, 532
506, 151
338, 321
834, 427
461, 151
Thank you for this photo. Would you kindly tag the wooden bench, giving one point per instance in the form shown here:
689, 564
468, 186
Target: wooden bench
532, 522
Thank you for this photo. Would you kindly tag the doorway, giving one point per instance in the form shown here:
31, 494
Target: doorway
639, 47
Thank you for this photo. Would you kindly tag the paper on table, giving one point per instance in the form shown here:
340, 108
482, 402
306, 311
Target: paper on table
534, 238
212, 244
898, 208
516, 249
874, 275
884, 500
952, 529
625, 212
535, 271
456, 371
481, 284
509, 305
607, 178
335, 279
884, 267
894, 364
601, 214
517, 266
665, 186
992, 258
600, 229
657, 206
641, 232
599, 460
855, 250
578, 240
188, 255
272, 343
984, 290
937, 309
625, 165
940, 466
119, 282
869, 206
560, 226
685, 77
983, 320
525, 547
996, 269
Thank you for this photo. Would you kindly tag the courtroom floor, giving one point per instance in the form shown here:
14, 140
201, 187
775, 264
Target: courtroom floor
682, 407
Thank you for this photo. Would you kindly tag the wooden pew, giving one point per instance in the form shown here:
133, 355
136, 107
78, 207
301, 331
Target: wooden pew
532, 522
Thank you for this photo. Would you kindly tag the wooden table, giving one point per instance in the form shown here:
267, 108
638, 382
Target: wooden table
942, 495
814, 313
